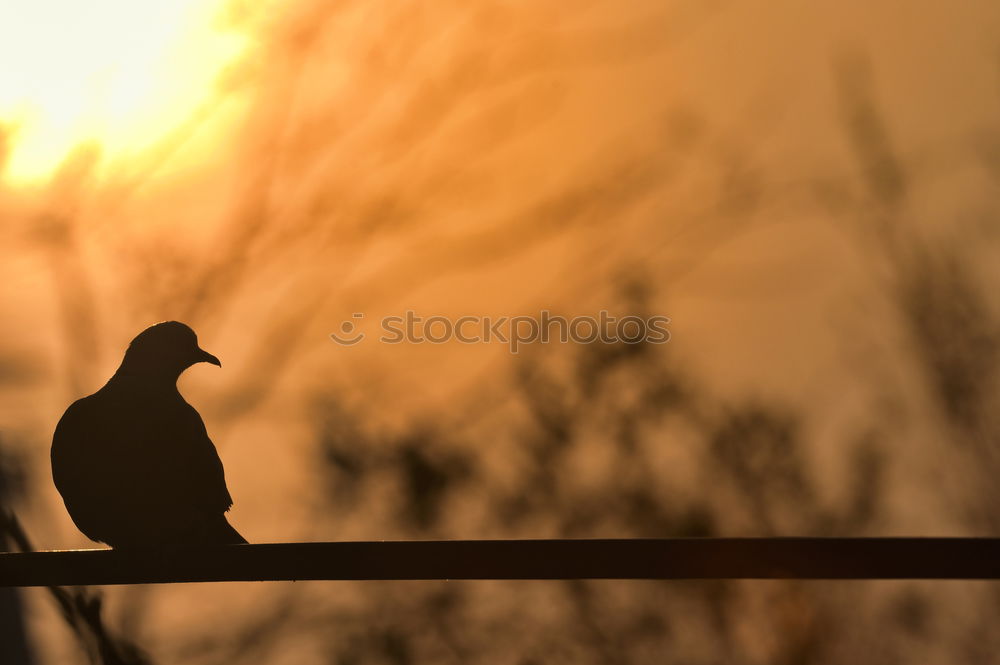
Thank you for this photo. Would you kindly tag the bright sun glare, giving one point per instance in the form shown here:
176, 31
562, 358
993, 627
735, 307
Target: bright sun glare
119, 73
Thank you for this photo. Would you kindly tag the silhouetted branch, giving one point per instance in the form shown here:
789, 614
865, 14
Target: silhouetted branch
80, 608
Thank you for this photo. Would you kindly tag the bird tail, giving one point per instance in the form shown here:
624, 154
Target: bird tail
223, 533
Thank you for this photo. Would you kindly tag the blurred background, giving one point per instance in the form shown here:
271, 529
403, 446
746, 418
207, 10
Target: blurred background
808, 190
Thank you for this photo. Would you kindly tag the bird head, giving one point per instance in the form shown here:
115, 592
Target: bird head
165, 349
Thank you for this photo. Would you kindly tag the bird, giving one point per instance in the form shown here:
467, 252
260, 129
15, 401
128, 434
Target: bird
134, 463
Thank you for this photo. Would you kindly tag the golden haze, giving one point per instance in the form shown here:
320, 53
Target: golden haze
808, 190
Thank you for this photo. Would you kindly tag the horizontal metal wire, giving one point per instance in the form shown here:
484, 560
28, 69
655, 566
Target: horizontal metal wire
680, 558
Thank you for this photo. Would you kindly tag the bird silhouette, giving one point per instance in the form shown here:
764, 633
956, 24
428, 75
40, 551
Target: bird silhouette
134, 463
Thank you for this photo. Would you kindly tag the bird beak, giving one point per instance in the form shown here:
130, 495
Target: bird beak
206, 357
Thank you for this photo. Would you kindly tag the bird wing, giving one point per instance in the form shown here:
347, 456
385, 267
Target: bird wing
91, 470
203, 479
128, 466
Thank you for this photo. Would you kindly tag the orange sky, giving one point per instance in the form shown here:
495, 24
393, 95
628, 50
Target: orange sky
493, 159
263, 170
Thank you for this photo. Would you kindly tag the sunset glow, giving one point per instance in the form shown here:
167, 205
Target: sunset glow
112, 72
530, 332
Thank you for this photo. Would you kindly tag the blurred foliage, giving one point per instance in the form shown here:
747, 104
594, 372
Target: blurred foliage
14, 647
588, 435
80, 608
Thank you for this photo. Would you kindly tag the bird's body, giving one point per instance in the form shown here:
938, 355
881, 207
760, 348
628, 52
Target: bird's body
133, 461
